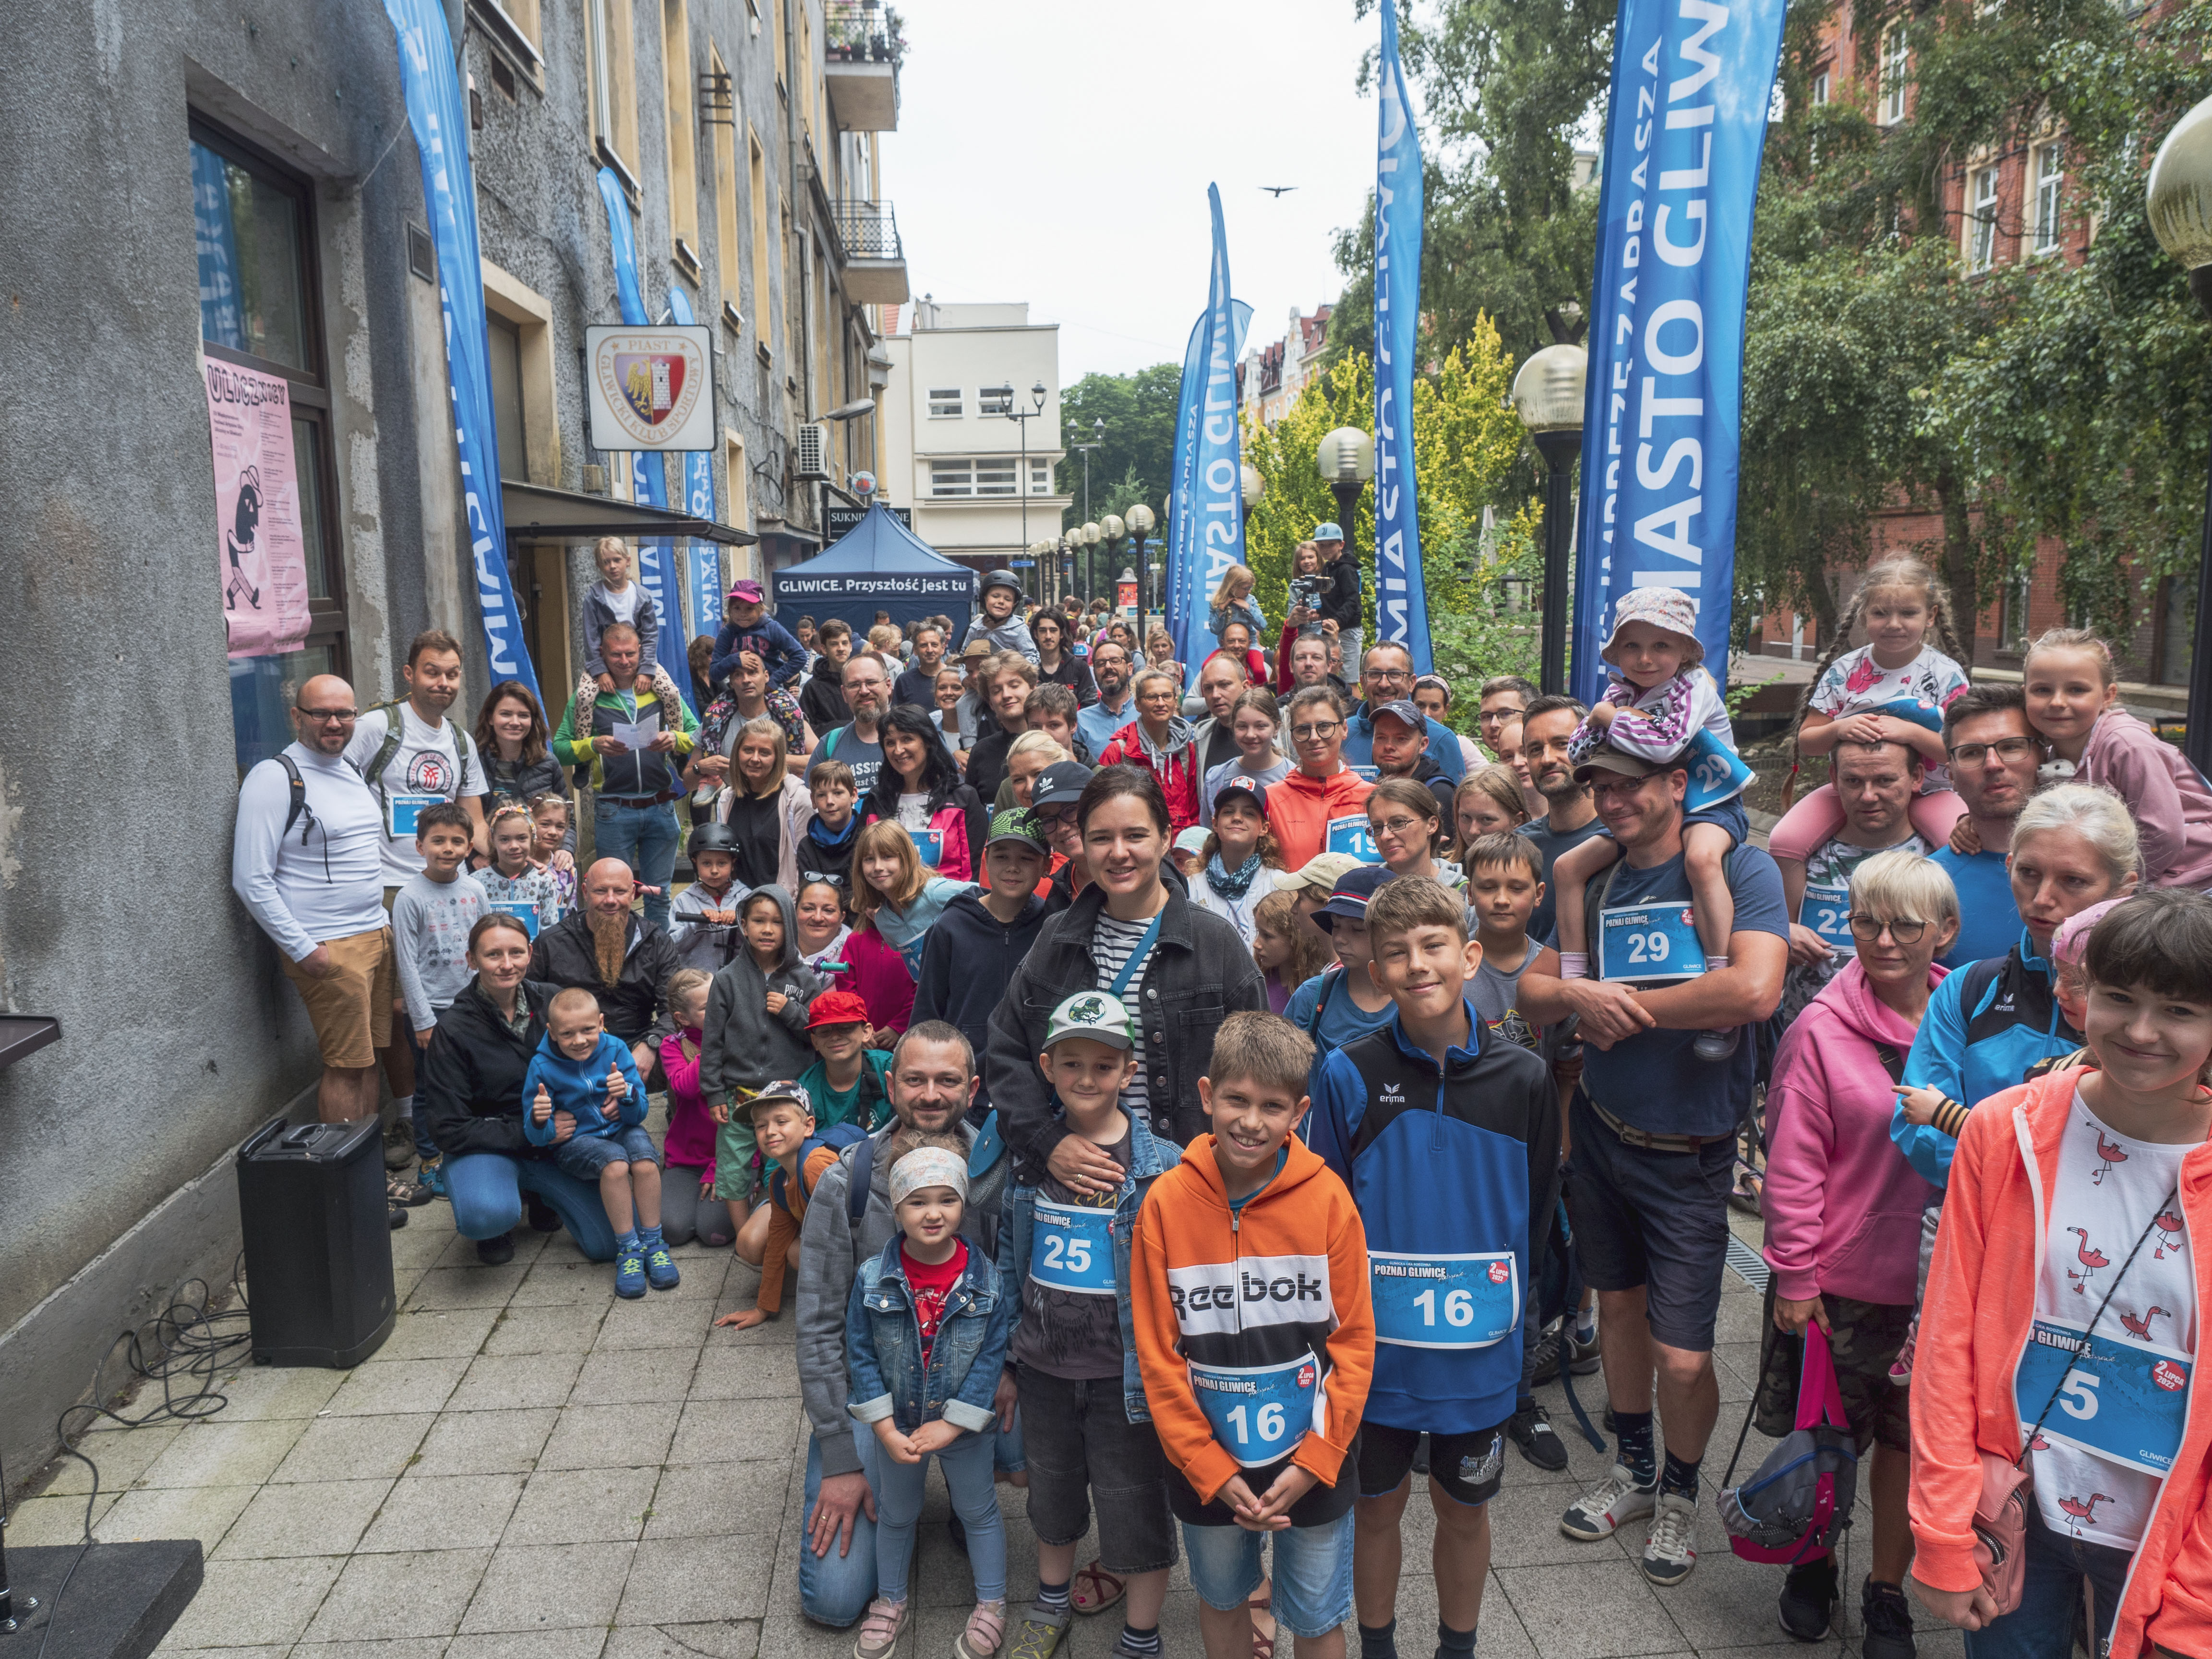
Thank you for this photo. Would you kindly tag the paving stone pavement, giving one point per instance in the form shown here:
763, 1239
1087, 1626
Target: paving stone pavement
532, 1467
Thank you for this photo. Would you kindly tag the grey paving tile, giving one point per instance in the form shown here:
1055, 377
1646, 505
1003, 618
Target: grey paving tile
122, 1459
223, 1454
705, 1276
355, 1448
261, 1393
726, 1639
441, 1334
688, 1580
402, 1385
506, 1382
326, 1518
473, 1286
422, 1593
1730, 1602
730, 1430
245, 1602
461, 1252
564, 1327
418, 1647
202, 1512
482, 1443
1600, 1611
580, 1506
754, 1372
593, 1438
787, 1635
1524, 1530
658, 1321
557, 1278
444, 1512
575, 1643
530, 1587
718, 1500
56, 1519
620, 1376
270, 1650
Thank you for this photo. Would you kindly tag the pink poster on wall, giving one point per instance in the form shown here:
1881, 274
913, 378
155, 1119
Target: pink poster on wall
262, 555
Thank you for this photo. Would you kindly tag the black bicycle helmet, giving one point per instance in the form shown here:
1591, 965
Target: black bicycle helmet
711, 838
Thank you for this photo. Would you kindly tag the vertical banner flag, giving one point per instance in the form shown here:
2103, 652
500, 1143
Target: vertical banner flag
440, 119
648, 469
257, 505
1401, 607
1686, 124
1209, 506
703, 566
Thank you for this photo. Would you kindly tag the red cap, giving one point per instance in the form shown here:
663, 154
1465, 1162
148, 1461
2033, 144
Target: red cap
837, 1008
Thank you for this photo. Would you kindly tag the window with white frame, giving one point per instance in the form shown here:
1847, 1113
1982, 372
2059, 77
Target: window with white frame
945, 400
995, 475
1896, 69
951, 478
2049, 179
1820, 87
1982, 223
2012, 613
1040, 477
994, 400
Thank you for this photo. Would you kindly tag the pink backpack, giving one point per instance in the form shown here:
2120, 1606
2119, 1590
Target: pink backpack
1798, 1502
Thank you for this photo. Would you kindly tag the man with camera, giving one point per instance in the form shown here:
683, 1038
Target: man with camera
1340, 601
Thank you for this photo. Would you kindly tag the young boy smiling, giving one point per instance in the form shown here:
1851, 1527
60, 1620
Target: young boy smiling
826, 848
1454, 1212
782, 1123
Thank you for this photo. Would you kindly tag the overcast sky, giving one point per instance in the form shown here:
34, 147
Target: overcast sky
1059, 153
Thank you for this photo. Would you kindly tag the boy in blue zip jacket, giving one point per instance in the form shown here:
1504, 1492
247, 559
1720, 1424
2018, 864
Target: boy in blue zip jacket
1086, 1430
925, 1341
575, 1071
1449, 1138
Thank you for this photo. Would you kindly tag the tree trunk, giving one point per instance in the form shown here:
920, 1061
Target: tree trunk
1959, 561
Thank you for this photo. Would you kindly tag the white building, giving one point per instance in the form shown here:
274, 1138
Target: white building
949, 450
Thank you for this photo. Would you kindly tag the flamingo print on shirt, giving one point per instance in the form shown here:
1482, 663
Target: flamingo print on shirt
2083, 1511
2140, 1328
2169, 1235
2090, 1261
2109, 1152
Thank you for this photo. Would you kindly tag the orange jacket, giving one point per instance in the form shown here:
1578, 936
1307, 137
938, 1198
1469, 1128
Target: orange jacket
1982, 1285
1299, 809
1186, 1239
783, 1228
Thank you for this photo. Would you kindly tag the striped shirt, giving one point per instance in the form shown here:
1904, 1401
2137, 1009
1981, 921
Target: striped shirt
1110, 944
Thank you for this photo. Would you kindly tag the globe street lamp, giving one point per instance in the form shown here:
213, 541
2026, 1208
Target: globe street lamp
2178, 204
1091, 536
1346, 460
1140, 525
1547, 396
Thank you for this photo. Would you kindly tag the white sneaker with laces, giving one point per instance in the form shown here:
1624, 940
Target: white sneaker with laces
1613, 1505
1673, 1549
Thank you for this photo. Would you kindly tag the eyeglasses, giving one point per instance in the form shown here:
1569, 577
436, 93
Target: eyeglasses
2008, 750
1390, 676
1315, 732
1870, 928
1046, 816
327, 716
1399, 826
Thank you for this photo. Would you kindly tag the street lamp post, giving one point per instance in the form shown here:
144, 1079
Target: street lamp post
1345, 460
2178, 203
1023, 418
1140, 525
1547, 396
1097, 441
1091, 536
1110, 532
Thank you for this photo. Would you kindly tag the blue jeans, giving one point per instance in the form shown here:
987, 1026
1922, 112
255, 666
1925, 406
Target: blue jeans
644, 838
486, 1189
966, 1465
1312, 1572
2042, 1626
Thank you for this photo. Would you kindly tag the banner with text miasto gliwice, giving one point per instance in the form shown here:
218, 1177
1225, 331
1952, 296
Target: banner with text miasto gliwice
1686, 124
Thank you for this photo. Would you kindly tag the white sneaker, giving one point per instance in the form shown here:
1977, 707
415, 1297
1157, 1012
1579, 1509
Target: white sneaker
1612, 1506
1673, 1549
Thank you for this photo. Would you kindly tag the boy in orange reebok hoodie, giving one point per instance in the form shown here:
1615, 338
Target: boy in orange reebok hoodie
1249, 1298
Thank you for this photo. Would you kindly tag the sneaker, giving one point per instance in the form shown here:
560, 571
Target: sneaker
1546, 1353
1584, 1358
1039, 1633
880, 1629
1614, 1502
1718, 1045
496, 1252
408, 1194
659, 1272
986, 1629
433, 1175
1885, 1621
1810, 1602
1532, 1432
629, 1274
1672, 1548
398, 1144
1900, 1369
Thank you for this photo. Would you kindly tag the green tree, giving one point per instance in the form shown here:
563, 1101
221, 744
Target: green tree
1138, 442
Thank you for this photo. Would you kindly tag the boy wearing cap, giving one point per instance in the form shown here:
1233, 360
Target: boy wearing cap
1087, 1430
1342, 1003
982, 934
783, 1125
845, 1085
1189, 851
746, 626
999, 624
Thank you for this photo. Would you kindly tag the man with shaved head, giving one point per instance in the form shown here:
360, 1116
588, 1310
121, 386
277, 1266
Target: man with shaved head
604, 947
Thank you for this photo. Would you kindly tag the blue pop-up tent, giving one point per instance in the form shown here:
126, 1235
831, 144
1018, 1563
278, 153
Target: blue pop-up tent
880, 565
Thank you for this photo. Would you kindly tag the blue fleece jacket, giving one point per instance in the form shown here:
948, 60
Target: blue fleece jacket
780, 655
579, 1087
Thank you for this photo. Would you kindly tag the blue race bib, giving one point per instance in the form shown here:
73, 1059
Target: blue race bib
1072, 1248
1351, 835
1920, 711
2122, 1400
1444, 1300
1366, 770
1827, 912
1717, 773
401, 812
1260, 1414
1649, 942
522, 910
930, 844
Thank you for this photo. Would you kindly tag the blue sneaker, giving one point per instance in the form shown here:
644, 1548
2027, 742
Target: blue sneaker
432, 1175
659, 1272
629, 1275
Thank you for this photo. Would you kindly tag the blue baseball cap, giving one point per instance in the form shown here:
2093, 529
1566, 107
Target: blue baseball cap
1327, 532
1349, 897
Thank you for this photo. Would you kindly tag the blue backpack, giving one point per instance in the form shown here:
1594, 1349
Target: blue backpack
837, 1136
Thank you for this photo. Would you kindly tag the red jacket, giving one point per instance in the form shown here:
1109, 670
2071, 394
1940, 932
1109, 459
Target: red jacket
1177, 770
880, 979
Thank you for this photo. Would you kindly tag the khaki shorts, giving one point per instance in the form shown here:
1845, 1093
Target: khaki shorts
352, 1009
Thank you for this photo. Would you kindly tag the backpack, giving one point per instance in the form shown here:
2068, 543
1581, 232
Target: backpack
395, 732
837, 1135
1798, 1502
299, 808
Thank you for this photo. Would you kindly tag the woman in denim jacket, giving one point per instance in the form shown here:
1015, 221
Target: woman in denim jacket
926, 1333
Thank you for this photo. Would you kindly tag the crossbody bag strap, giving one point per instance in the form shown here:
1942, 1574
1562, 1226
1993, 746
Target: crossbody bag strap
1135, 963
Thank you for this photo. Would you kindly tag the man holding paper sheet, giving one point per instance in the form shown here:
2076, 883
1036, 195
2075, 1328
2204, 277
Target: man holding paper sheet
632, 743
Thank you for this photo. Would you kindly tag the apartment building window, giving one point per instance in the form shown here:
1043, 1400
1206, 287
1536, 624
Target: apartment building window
2050, 181
952, 478
737, 484
1820, 89
611, 78
505, 339
990, 474
764, 249
683, 121
994, 400
2012, 615
995, 475
1896, 70
1040, 477
727, 265
945, 400
1982, 222
254, 246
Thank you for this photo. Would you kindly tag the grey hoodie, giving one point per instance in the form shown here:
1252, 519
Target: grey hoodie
742, 1045
830, 1251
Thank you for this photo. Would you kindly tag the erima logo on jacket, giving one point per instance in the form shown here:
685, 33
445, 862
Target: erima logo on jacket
1221, 1297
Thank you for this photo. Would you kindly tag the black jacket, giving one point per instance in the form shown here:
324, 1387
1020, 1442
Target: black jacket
967, 962
1200, 973
817, 855
986, 761
1340, 598
636, 1005
822, 699
1074, 673
470, 1092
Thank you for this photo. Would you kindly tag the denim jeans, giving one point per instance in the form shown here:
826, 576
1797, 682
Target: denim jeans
967, 1466
1312, 1572
2042, 1626
644, 838
486, 1189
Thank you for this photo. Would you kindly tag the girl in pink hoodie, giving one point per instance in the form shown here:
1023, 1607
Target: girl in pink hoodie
1843, 1213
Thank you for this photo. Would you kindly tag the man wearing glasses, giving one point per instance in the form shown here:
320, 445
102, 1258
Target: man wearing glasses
307, 859
1993, 755
1386, 675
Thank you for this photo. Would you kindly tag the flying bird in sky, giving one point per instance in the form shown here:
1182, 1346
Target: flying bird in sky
1276, 190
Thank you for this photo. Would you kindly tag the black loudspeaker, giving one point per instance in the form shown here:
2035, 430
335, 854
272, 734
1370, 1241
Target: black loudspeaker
311, 1208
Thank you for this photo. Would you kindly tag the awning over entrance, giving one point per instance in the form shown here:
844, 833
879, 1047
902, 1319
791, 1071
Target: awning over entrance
536, 513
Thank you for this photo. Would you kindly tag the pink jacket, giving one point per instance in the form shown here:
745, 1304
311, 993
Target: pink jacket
690, 1131
2165, 795
1843, 1206
879, 976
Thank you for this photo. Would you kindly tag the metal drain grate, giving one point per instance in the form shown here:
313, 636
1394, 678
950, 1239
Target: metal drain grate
1750, 1265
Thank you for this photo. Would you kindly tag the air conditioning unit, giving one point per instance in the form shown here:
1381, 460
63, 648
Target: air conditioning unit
812, 457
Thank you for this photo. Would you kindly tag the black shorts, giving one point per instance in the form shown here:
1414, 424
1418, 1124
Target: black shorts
1657, 1221
1083, 1450
1467, 1466
1863, 1339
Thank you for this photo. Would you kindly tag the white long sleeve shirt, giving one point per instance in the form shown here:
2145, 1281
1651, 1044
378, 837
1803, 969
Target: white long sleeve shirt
332, 887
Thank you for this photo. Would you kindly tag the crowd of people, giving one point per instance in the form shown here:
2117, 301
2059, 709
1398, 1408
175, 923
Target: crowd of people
1212, 1095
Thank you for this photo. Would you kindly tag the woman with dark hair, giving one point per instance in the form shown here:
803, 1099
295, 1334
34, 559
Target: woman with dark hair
918, 787
511, 736
1056, 662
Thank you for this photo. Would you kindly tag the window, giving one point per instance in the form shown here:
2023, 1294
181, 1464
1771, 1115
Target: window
611, 63
737, 484
726, 263
1982, 223
253, 237
505, 342
1896, 68
951, 478
2049, 179
775, 10
757, 178
678, 95
994, 400
945, 400
752, 17
995, 476
803, 67
522, 14
2012, 615
1040, 477
1820, 89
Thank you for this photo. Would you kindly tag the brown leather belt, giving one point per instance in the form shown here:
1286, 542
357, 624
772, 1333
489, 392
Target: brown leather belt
1645, 1140
642, 800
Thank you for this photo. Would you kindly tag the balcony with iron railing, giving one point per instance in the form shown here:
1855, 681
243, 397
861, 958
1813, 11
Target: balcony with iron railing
860, 63
874, 258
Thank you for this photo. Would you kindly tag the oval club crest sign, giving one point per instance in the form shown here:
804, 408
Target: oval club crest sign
651, 388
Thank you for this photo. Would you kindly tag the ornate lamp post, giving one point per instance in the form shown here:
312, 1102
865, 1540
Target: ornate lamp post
1547, 396
2179, 206
1140, 525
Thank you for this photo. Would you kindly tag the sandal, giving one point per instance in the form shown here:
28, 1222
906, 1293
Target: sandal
1263, 1647
1094, 1590
1744, 1191
986, 1629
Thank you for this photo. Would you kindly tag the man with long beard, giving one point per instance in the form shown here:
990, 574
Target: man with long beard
604, 948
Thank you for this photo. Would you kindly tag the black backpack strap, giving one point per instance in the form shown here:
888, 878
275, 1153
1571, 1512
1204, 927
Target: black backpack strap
1331, 976
298, 809
862, 1177
1892, 1061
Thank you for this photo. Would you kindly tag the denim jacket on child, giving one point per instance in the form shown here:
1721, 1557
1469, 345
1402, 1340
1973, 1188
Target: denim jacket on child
1149, 1156
883, 1345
